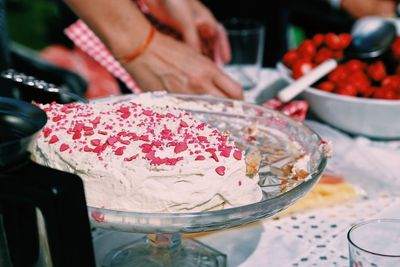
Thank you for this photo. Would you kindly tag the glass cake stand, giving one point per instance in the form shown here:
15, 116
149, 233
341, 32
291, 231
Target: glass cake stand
254, 129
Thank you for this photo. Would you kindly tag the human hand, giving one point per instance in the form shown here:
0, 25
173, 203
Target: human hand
175, 67
197, 25
361, 8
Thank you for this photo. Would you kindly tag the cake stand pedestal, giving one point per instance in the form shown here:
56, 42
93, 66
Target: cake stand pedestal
166, 250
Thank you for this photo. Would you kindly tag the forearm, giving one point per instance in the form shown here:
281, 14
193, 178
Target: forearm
119, 24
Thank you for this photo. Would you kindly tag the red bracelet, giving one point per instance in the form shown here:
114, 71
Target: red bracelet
141, 49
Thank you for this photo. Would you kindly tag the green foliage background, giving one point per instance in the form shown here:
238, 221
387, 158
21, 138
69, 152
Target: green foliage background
34, 23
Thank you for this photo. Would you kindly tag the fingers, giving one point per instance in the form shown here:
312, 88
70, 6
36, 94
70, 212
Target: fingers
387, 8
223, 44
211, 88
361, 8
228, 86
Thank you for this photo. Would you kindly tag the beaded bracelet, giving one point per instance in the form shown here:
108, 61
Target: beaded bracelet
140, 50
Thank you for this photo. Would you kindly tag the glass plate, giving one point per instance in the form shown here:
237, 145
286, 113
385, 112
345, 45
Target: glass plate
253, 128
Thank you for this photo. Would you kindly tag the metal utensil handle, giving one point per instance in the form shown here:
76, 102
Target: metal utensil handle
39, 84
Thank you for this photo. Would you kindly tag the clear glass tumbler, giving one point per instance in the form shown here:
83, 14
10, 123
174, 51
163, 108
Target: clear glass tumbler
246, 38
375, 243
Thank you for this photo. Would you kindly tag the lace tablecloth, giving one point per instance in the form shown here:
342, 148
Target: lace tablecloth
316, 237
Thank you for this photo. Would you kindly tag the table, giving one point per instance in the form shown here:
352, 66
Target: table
315, 237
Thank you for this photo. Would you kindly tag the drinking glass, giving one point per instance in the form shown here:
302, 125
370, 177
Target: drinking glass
375, 243
246, 38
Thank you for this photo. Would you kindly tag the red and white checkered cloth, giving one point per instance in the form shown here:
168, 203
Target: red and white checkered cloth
85, 39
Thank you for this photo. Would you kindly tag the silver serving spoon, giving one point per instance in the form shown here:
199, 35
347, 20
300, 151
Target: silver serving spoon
39, 84
371, 37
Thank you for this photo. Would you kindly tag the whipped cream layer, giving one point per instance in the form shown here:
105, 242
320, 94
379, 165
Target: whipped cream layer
145, 156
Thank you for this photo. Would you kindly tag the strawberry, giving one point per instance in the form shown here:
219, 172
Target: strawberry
377, 71
359, 80
306, 49
368, 91
345, 88
338, 54
338, 74
290, 57
323, 54
326, 86
345, 40
386, 93
391, 82
318, 39
354, 65
333, 41
301, 67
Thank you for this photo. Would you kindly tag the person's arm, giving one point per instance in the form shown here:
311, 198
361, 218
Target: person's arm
361, 8
166, 64
119, 24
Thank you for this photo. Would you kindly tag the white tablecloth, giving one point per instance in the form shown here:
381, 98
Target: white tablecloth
317, 237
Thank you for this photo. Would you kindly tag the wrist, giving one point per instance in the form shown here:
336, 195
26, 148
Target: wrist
124, 43
138, 51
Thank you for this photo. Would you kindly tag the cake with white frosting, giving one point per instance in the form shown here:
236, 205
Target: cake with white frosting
145, 156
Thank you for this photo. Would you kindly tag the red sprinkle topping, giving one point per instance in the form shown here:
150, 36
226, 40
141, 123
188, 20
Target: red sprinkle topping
112, 140
78, 127
200, 157
214, 156
90, 132
146, 148
154, 131
96, 121
125, 115
180, 147
57, 118
144, 138
97, 216
202, 138
46, 132
76, 135
183, 124
157, 143
147, 112
226, 152
120, 151
151, 155
125, 142
158, 161
201, 126
131, 158
220, 170
64, 147
53, 139
97, 149
95, 142
237, 154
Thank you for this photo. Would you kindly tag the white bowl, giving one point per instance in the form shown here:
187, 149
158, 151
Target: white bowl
376, 118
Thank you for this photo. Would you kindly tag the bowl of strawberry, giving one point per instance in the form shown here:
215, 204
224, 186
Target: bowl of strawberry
361, 97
